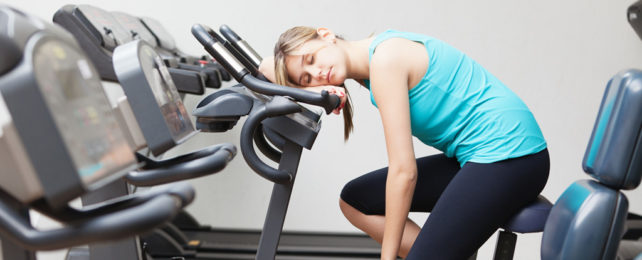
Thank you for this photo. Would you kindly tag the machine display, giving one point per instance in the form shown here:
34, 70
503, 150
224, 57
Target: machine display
166, 94
149, 86
73, 93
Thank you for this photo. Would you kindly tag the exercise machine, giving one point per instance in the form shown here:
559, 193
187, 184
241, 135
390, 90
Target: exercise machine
60, 139
99, 33
165, 123
295, 126
166, 46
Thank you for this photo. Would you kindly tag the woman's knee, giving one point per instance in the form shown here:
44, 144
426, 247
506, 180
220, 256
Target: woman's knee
357, 196
348, 210
349, 196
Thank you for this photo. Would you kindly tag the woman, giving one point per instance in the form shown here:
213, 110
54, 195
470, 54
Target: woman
494, 159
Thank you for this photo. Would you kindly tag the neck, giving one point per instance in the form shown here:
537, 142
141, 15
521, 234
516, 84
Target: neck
358, 58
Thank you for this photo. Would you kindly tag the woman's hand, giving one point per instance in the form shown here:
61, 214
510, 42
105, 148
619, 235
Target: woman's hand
332, 90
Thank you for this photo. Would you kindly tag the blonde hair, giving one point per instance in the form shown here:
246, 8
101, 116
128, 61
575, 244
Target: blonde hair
289, 41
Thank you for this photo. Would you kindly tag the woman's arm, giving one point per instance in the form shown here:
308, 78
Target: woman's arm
267, 68
389, 73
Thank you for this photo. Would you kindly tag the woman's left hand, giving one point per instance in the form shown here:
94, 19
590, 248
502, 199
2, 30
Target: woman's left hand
332, 90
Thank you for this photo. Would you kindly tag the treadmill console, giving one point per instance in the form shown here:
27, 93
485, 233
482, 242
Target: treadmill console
73, 93
149, 86
63, 122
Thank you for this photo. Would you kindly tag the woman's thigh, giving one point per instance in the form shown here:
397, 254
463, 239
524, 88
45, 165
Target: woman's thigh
367, 192
478, 200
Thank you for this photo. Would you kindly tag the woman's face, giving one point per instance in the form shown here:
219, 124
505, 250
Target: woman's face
316, 63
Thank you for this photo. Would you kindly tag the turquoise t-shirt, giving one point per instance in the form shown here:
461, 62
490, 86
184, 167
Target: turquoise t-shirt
464, 111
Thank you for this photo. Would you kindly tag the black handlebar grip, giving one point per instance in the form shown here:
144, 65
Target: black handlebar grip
213, 44
228, 33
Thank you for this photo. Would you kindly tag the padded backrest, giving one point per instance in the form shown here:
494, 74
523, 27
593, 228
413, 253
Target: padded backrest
586, 222
613, 154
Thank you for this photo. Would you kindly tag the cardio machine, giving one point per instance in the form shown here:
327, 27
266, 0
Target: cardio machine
164, 123
60, 139
291, 127
166, 45
99, 32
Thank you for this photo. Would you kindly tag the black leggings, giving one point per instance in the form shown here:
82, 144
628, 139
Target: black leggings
467, 204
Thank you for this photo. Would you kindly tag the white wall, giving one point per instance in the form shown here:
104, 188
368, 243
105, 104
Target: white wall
557, 55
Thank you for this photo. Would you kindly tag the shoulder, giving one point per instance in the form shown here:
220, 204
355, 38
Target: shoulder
389, 52
398, 55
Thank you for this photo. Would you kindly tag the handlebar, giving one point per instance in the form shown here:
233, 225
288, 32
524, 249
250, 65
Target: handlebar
241, 45
213, 43
276, 107
260, 139
109, 221
196, 164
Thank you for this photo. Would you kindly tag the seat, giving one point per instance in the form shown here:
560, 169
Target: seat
530, 219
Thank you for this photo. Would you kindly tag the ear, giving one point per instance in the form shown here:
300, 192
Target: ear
326, 34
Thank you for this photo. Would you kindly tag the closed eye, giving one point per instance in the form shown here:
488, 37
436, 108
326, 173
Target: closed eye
307, 79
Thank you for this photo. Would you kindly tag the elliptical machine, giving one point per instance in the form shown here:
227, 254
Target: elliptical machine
99, 32
60, 139
291, 127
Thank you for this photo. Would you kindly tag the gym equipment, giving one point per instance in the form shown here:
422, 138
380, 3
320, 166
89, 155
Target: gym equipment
165, 123
166, 46
60, 139
139, 31
284, 117
241, 49
99, 33
154, 99
587, 221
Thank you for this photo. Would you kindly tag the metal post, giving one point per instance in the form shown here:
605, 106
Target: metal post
278, 206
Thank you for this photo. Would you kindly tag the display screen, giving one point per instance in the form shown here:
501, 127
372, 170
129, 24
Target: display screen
75, 97
167, 97
107, 25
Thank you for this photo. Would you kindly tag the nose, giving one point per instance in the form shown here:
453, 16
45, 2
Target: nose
316, 73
